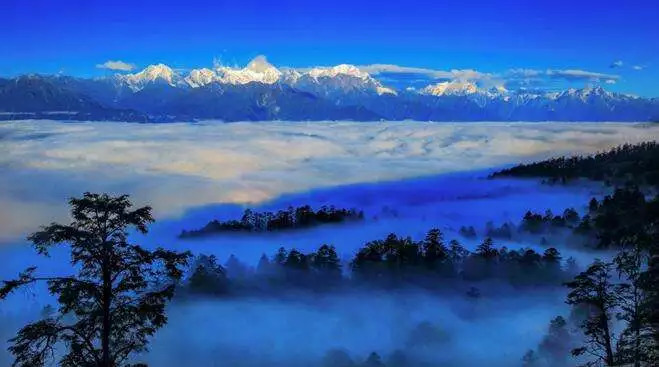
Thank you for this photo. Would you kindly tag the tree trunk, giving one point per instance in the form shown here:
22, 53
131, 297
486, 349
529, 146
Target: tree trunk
604, 320
107, 299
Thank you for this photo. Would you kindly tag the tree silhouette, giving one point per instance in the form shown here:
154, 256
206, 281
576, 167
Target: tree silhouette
635, 344
117, 299
434, 249
594, 290
208, 276
327, 265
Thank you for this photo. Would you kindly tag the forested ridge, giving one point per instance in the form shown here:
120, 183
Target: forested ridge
291, 218
636, 164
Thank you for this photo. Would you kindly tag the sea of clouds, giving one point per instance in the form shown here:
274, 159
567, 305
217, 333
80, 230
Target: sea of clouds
178, 166
406, 176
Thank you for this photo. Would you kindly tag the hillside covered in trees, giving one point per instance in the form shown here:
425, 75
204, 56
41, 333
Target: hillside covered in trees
635, 164
291, 218
618, 298
391, 262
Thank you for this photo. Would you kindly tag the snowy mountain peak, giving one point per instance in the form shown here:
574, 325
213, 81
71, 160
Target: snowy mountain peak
258, 70
341, 78
260, 65
333, 71
152, 73
200, 77
588, 92
455, 87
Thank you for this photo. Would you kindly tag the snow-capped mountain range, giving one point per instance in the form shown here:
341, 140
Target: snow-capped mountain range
343, 77
260, 91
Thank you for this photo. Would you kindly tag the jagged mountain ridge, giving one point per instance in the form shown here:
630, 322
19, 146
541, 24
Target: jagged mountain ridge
260, 91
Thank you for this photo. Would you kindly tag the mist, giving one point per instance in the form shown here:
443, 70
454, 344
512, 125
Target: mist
450, 329
406, 177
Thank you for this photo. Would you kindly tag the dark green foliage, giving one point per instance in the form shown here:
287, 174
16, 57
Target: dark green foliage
292, 218
482, 264
533, 223
638, 164
319, 270
505, 231
434, 250
395, 260
208, 277
600, 293
392, 262
594, 289
635, 344
649, 282
389, 260
236, 269
536, 223
570, 217
619, 216
457, 253
486, 249
555, 347
116, 301
327, 266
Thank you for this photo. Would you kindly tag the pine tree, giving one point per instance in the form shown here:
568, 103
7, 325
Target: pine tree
486, 249
635, 344
556, 345
327, 265
594, 290
208, 277
434, 249
117, 297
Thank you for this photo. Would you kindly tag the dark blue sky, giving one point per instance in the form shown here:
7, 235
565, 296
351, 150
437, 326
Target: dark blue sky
489, 36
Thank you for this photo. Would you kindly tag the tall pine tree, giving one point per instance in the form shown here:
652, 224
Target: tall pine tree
115, 302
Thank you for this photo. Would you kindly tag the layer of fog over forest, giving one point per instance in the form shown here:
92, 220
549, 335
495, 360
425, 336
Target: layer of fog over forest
406, 177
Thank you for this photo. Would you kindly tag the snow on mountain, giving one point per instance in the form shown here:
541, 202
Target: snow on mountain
339, 79
590, 92
243, 93
151, 74
200, 77
258, 70
333, 71
463, 88
455, 87
301, 95
324, 80
380, 90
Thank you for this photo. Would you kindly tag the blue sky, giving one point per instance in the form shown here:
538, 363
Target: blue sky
618, 39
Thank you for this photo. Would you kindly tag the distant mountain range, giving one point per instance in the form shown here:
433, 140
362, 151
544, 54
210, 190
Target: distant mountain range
260, 91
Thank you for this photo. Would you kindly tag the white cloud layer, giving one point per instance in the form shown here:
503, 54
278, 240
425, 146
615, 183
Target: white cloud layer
178, 166
459, 74
513, 77
117, 65
576, 74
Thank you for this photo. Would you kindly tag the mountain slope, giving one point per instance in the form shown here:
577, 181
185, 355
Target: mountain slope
35, 96
260, 91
